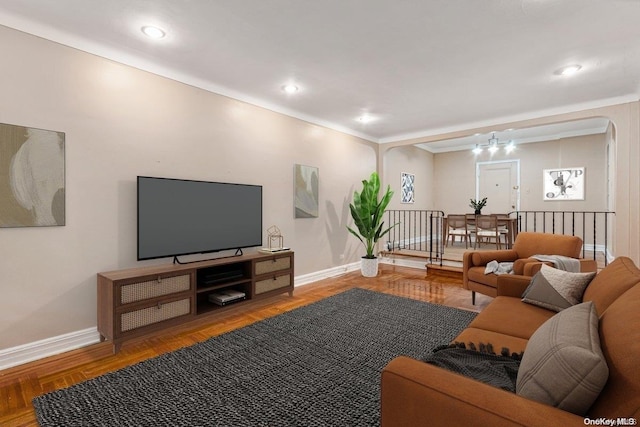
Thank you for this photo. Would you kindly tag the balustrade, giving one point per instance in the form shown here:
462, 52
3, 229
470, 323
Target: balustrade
420, 232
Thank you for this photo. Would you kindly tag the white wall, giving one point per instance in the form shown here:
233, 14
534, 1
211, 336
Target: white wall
121, 122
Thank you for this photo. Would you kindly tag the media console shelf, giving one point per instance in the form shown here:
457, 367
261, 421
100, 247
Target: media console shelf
139, 301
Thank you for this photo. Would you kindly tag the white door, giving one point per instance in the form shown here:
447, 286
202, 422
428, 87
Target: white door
499, 182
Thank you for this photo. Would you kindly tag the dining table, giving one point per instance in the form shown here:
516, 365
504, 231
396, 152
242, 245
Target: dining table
503, 221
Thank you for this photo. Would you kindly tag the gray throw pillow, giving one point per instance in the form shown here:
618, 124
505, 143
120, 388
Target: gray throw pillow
556, 289
563, 365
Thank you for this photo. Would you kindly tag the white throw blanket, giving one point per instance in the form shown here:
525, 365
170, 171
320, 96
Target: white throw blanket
561, 262
499, 267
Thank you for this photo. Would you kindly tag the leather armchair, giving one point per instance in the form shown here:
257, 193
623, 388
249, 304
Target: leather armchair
525, 246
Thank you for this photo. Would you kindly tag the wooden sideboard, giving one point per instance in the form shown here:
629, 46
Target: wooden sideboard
138, 301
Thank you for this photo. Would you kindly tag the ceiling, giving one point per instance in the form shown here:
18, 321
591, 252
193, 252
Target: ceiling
416, 67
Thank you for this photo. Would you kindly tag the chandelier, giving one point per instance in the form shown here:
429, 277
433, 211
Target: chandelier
494, 145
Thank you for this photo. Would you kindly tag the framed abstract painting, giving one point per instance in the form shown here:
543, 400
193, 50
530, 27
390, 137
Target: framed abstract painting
564, 184
306, 181
32, 182
407, 181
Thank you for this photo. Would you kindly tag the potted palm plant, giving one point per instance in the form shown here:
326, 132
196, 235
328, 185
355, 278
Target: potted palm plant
367, 211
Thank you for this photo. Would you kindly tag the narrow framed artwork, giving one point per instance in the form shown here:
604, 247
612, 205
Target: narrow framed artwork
306, 181
407, 181
564, 184
32, 184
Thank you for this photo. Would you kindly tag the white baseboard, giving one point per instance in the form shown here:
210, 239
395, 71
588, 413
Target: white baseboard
25, 353
47, 347
601, 248
305, 279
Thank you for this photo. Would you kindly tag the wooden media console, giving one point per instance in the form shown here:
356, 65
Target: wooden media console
138, 301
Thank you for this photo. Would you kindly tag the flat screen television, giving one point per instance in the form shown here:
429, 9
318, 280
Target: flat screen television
183, 217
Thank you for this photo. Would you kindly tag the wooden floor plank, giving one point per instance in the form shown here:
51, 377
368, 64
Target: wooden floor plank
19, 385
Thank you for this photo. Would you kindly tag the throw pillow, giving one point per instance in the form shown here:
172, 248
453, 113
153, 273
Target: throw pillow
563, 364
556, 289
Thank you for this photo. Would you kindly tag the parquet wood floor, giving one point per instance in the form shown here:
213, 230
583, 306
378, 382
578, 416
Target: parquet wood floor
20, 384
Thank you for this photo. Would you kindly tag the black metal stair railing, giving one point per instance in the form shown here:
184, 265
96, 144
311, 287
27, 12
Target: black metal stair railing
417, 232
420, 232
593, 227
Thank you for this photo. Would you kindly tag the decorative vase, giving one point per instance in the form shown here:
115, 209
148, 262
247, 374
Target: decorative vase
369, 267
478, 212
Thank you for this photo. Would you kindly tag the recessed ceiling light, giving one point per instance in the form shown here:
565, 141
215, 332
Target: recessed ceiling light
568, 70
365, 118
290, 88
153, 32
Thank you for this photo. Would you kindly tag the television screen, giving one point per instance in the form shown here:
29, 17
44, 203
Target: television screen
182, 217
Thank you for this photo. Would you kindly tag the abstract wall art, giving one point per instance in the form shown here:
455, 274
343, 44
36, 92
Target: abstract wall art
563, 184
32, 184
407, 181
306, 182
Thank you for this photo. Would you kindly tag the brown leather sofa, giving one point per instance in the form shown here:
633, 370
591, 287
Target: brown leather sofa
525, 246
414, 393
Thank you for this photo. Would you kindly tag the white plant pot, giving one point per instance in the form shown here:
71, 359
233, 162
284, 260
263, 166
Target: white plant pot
369, 267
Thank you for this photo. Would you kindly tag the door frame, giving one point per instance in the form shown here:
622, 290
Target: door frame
493, 162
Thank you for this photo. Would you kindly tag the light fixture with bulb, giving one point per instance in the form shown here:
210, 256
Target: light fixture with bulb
509, 147
494, 144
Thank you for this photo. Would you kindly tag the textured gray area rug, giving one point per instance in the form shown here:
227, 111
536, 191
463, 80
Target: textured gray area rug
318, 365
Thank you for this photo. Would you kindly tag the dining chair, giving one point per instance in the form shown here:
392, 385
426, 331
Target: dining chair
487, 229
503, 226
457, 226
471, 225
471, 222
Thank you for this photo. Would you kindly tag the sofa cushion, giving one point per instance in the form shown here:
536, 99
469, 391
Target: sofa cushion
556, 289
476, 274
510, 316
614, 280
563, 365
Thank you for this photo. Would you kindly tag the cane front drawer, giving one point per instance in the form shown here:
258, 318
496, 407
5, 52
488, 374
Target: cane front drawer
272, 265
270, 284
154, 314
159, 286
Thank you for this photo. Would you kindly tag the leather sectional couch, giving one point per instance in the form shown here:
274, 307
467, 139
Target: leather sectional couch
414, 393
